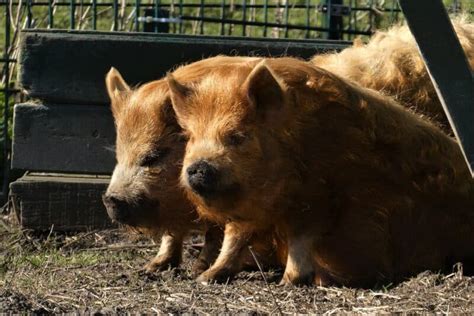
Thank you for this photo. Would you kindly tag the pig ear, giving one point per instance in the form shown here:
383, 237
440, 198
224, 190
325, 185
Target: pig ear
264, 90
168, 114
117, 88
179, 94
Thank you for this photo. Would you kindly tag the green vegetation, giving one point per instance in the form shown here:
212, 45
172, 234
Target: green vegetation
80, 259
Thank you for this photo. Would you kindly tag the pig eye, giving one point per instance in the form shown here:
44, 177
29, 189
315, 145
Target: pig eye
183, 137
235, 139
154, 157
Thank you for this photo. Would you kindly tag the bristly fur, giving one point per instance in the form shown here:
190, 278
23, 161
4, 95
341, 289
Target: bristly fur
145, 123
359, 189
390, 63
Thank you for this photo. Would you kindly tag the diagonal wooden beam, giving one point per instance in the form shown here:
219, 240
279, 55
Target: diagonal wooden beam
447, 66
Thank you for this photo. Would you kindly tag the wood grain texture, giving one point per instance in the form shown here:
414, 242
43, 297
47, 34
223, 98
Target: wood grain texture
56, 138
64, 202
68, 67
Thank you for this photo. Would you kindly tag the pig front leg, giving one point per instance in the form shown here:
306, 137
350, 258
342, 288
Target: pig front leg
212, 243
300, 266
169, 254
228, 263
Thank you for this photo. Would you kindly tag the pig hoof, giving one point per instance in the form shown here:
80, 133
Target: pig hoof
297, 280
199, 267
160, 264
209, 277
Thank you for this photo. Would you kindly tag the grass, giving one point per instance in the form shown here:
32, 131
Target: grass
100, 271
56, 258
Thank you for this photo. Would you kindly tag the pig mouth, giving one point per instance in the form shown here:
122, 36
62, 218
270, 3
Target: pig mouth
222, 193
137, 213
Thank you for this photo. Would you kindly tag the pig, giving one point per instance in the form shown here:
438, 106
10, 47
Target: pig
358, 189
391, 63
143, 193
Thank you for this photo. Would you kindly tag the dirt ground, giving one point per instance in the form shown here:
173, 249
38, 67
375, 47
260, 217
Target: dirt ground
100, 272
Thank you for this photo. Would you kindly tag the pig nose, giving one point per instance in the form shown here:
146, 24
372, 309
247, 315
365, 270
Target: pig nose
117, 209
202, 177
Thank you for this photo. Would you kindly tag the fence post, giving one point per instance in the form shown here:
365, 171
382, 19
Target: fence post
153, 26
6, 114
72, 14
334, 20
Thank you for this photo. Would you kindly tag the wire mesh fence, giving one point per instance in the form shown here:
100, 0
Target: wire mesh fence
310, 19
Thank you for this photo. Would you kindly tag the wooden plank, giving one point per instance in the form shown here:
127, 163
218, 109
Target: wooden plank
68, 67
64, 202
55, 138
447, 66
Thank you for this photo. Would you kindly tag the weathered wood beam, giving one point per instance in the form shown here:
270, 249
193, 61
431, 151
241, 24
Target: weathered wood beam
69, 67
69, 139
61, 202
